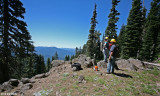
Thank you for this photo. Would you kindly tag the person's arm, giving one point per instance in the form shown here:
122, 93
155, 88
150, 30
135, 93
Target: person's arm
112, 51
110, 55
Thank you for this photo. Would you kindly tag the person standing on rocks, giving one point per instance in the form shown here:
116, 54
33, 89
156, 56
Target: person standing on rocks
106, 49
112, 55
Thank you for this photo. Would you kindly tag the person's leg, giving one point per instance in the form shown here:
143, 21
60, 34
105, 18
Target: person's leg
109, 66
105, 56
112, 65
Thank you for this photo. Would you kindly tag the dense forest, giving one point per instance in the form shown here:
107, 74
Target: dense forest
139, 39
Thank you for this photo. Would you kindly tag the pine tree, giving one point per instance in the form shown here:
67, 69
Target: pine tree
53, 58
151, 42
90, 42
84, 50
56, 56
111, 28
121, 39
133, 32
15, 37
97, 43
48, 64
40, 65
72, 57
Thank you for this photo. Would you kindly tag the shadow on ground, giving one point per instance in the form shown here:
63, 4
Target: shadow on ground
123, 75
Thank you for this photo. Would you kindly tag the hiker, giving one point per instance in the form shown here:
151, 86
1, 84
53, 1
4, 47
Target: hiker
111, 59
106, 49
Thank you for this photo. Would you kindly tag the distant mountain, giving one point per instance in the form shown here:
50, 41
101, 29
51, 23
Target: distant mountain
48, 52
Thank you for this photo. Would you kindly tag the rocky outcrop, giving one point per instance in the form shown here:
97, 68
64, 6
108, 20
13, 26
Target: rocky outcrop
129, 64
56, 63
102, 64
9, 85
85, 61
137, 63
126, 64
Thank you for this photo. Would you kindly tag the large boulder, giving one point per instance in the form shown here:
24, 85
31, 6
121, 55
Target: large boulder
9, 85
137, 63
102, 64
43, 75
26, 87
14, 82
27, 80
125, 64
56, 63
85, 61
6, 86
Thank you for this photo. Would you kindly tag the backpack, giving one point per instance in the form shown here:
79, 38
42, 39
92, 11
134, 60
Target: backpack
110, 45
116, 52
107, 45
77, 65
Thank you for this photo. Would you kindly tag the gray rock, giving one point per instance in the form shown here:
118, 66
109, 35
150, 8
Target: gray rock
25, 80
137, 63
86, 62
81, 79
99, 73
74, 75
14, 82
102, 64
68, 62
47, 74
74, 69
43, 92
26, 87
56, 63
6, 86
125, 64
39, 76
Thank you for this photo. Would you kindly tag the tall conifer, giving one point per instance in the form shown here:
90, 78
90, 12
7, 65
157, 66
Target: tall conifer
111, 28
90, 42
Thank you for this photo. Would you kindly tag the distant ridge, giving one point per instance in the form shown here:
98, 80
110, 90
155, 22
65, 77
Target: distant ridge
48, 52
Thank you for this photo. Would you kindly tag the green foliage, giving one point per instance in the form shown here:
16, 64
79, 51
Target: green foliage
15, 40
133, 32
111, 28
48, 64
151, 40
78, 51
40, 65
91, 36
121, 39
56, 56
72, 57
67, 58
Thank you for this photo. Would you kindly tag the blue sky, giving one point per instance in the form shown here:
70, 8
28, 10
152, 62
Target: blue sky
66, 23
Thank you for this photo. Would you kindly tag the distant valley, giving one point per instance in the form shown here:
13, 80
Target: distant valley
48, 52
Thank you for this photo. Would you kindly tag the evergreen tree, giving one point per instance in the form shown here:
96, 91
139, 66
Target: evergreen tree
53, 58
111, 28
90, 42
67, 58
48, 64
15, 37
97, 44
56, 56
72, 57
40, 65
151, 40
132, 38
121, 39
84, 50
